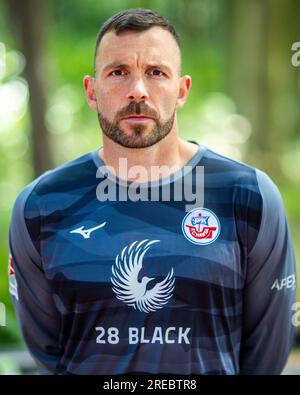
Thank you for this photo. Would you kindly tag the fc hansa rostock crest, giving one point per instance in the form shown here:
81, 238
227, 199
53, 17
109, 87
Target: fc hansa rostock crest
201, 226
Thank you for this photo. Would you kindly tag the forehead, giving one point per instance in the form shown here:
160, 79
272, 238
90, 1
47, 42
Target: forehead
153, 45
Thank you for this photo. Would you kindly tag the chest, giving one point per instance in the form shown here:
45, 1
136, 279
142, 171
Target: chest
87, 244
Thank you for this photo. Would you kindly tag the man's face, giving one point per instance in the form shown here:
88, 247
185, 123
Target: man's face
138, 88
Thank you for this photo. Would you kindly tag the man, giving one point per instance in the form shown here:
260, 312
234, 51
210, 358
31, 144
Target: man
106, 283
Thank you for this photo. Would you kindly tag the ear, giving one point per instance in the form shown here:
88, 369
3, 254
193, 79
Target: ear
185, 84
89, 90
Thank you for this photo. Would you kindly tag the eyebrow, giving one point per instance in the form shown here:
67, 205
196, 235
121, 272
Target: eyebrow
122, 65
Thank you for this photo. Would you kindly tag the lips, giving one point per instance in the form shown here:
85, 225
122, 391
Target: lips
137, 117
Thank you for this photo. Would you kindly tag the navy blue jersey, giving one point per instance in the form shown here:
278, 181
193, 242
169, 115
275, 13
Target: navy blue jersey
111, 287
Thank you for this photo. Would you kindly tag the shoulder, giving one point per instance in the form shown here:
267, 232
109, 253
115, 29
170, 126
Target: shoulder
248, 192
70, 175
226, 171
75, 175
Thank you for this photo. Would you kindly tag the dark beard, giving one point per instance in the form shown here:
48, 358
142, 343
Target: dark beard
137, 138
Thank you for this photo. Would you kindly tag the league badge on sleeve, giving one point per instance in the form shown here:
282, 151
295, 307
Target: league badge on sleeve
201, 226
13, 286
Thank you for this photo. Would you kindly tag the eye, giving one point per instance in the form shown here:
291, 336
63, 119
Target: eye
156, 73
117, 73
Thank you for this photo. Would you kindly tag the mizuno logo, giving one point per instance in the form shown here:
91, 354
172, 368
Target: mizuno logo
86, 233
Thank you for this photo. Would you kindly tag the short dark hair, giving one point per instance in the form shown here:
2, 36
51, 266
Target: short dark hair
136, 19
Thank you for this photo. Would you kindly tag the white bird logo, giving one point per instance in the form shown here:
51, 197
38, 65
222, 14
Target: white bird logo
129, 290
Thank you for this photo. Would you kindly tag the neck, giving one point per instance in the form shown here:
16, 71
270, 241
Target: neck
170, 154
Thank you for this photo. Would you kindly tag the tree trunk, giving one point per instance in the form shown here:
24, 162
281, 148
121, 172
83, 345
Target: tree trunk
248, 72
27, 18
262, 79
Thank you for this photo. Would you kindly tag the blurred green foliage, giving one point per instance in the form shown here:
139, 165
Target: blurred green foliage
212, 115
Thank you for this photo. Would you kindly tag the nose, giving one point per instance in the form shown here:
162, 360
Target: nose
137, 90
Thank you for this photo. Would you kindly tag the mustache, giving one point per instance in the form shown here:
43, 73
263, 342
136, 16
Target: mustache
135, 108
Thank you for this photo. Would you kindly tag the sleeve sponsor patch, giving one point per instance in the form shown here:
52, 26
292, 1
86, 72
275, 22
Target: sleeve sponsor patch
13, 286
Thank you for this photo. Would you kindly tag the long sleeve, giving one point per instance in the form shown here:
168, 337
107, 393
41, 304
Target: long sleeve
269, 290
31, 294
